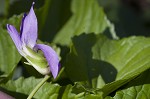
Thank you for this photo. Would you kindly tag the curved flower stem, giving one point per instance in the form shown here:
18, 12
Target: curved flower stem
38, 86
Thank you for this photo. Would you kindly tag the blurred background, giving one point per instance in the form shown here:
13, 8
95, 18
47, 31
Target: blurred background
130, 17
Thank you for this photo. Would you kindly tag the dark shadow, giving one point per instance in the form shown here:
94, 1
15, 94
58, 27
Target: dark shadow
130, 17
28, 71
130, 23
140, 81
108, 33
58, 14
23, 6
61, 92
80, 66
3, 79
14, 94
1, 73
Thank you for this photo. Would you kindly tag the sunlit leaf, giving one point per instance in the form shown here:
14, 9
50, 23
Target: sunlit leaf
129, 56
92, 55
87, 17
138, 88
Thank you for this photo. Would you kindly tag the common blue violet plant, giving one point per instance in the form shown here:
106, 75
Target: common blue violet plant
25, 42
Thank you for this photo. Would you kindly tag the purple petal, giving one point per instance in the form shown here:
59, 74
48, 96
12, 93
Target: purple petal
51, 57
29, 29
15, 37
22, 23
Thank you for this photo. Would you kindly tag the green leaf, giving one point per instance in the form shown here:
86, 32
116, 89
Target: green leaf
138, 88
25, 86
9, 56
22, 88
80, 65
130, 57
87, 17
135, 92
92, 56
14, 20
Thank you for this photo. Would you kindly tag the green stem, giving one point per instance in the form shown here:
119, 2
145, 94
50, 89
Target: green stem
38, 86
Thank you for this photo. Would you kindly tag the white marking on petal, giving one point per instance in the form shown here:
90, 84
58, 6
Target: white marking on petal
28, 53
43, 71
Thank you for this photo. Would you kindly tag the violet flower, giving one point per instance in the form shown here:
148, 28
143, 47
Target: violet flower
25, 42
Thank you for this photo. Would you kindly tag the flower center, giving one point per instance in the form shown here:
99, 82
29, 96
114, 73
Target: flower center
35, 58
